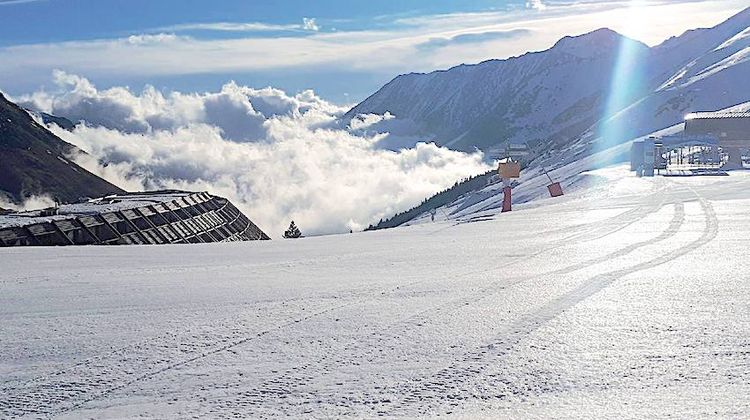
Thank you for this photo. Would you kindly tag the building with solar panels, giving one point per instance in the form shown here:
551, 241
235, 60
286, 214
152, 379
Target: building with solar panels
161, 217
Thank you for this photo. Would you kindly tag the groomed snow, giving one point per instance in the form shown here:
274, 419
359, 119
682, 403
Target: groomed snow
626, 299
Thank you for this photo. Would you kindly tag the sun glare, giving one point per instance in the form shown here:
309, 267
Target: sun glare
626, 83
637, 20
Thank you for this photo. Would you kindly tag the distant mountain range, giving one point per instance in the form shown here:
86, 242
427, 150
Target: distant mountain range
33, 161
596, 89
560, 102
571, 93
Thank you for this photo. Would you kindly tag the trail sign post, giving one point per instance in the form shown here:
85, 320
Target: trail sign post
508, 170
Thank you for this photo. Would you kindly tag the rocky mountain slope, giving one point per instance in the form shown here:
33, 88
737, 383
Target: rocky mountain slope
34, 161
582, 87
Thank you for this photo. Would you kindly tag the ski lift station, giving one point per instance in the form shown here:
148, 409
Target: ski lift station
516, 151
710, 141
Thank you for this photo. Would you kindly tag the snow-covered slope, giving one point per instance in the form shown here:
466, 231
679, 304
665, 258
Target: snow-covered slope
703, 70
535, 97
551, 98
571, 166
625, 300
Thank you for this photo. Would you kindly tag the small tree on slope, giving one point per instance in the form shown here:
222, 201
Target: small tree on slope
293, 231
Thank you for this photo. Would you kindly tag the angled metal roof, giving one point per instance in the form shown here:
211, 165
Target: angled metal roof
716, 115
157, 217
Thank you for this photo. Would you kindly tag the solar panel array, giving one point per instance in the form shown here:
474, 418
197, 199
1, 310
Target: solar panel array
188, 218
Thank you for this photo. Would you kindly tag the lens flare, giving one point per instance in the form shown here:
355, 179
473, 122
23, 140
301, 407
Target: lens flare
627, 84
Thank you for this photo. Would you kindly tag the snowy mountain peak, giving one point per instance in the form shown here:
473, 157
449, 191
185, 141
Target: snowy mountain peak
600, 42
555, 99
602, 37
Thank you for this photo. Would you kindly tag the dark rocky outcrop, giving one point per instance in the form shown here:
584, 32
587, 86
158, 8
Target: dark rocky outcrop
33, 161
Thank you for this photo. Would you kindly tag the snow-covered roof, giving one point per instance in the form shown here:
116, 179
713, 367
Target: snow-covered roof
111, 203
716, 115
125, 201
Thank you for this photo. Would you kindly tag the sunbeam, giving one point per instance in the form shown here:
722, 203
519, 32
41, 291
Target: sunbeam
628, 81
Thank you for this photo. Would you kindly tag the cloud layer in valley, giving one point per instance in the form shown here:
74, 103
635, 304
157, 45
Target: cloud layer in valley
278, 157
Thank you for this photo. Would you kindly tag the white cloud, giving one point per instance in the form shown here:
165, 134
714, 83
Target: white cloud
238, 111
12, 2
277, 157
153, 39
231, 27
474, 38
35, 202
536, 4
394, 133
309, 24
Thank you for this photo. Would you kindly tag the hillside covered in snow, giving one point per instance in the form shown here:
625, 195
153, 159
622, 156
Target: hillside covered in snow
627, 298
483, 196
596, 83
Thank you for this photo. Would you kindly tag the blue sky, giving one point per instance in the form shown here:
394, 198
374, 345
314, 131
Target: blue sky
344, 50
57, 20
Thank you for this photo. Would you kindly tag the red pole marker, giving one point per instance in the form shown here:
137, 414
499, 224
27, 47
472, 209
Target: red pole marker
506, 199
508, 170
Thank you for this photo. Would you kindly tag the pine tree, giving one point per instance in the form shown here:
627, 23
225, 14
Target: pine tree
293, 232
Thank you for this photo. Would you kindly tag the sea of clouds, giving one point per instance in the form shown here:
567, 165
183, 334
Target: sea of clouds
277, 157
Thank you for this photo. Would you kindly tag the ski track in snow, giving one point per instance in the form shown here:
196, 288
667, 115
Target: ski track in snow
449, 381
64, 393
452, 340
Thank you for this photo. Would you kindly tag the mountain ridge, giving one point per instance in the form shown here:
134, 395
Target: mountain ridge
552, 98
36, 162
700, 70
450, 94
